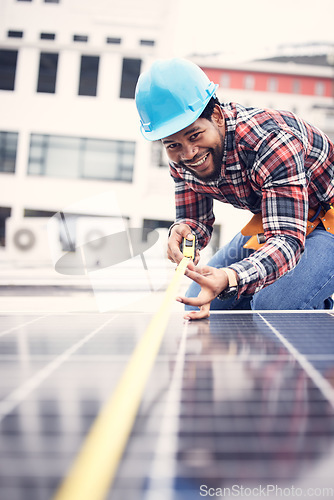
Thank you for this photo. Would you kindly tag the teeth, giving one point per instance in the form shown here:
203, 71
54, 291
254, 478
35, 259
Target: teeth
200, 162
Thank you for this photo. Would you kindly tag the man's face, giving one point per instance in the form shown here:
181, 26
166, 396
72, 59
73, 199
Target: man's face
199, 147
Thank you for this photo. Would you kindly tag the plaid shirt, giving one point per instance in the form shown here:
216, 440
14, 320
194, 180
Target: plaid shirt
274, 163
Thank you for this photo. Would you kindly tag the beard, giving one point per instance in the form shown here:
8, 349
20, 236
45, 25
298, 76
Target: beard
217, 155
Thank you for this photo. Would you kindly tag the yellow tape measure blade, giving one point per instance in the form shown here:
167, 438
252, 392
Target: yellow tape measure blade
96, 464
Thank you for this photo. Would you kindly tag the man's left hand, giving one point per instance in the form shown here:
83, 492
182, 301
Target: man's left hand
212, 281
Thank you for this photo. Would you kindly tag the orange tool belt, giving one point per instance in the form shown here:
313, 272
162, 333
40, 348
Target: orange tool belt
254, 228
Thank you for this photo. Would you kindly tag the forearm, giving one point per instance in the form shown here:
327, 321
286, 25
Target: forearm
193, 208
278, 256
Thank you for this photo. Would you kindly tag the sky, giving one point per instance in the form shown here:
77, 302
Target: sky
244, 28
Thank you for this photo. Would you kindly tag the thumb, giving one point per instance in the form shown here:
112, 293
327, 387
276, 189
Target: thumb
185, 231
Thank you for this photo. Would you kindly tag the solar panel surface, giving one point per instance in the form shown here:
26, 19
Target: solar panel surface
239, 401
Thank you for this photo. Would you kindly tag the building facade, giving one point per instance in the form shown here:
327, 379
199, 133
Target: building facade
69, 127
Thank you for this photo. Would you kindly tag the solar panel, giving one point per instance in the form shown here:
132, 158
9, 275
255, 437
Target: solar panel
235, 403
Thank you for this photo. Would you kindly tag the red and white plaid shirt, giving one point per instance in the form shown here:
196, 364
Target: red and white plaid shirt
274, 163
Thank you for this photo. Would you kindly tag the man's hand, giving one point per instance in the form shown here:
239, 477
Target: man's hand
177, 234
212, 281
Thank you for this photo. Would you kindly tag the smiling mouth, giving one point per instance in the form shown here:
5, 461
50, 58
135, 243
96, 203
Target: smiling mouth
198, 163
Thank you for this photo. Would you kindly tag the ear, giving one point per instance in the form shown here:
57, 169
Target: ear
217, 116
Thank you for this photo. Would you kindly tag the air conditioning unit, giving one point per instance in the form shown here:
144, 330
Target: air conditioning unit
27, 239
93, 237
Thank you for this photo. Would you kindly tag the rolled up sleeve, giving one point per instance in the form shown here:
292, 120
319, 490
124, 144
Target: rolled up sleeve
194, 209
279, 173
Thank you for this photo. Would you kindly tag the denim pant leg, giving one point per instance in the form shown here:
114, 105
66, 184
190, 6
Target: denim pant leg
230, 253
309, 285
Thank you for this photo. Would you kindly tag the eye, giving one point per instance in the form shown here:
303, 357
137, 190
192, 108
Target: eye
193, 137
172, 146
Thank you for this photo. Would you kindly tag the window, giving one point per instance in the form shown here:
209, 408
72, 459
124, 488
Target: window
272, 84
114, 40
149, 43
88, 75
319, 88
249, 82
158, 155
130, 75
152, 224
5, 212
47, 36
80, 38
8, 59
14, 34
296, 86
81, 158
31, 212
8, 148
47, 72
225, 81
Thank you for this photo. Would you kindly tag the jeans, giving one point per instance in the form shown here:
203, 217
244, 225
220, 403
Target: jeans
308, 286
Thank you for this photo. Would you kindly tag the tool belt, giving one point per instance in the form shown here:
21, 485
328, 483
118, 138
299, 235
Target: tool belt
254, 228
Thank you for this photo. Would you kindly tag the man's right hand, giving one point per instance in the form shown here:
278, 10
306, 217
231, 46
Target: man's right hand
178, 232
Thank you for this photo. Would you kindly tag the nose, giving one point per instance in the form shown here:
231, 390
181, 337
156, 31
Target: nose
188, 152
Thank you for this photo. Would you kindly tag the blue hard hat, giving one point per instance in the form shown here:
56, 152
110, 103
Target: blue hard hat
170, 96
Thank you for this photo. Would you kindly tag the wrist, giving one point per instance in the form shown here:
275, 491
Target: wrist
231, 289
232, 275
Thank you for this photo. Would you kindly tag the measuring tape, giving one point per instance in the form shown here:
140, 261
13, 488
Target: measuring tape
96, 464
188, 248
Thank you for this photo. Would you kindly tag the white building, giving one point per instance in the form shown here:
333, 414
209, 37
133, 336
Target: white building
68, 124
69, 127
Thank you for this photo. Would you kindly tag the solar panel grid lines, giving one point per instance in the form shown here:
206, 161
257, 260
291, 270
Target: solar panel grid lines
279, 424
321, 345
25, 389
169, 428
228, 401
20, 325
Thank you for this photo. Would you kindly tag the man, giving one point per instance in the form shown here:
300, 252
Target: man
268, 162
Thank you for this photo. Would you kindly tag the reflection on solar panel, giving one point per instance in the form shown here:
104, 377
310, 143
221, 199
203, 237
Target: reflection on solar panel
235, 403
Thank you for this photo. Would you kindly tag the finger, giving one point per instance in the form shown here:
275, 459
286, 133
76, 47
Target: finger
205, 270
204, 312
191, 266
170, 255
203, 298
174, 241
174, 254
197, 276
197, 257
184, 231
